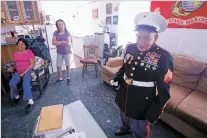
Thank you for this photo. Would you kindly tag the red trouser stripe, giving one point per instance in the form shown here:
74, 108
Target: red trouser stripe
148, 130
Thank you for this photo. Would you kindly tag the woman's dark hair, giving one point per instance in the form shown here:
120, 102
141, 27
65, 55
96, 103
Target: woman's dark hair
23, 41
60, 20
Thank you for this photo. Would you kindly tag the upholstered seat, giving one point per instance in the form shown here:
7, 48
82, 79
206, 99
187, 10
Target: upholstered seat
89, 60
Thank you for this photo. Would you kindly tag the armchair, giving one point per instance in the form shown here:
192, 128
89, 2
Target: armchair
40, 75
111, 68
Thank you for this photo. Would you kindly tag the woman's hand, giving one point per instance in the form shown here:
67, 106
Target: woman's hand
22, 75
31, 60
10, 69
62, 43
58, 43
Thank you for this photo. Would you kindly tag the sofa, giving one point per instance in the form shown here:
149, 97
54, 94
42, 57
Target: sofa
186, 111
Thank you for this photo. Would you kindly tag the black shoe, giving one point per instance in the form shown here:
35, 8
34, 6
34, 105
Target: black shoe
29, 108
68, 81
15, 101
121, 132
58, 81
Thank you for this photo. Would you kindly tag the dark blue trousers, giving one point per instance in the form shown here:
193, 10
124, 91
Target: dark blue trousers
139, 128
26, 85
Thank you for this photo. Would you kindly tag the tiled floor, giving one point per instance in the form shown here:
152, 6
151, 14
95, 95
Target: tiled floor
97, 97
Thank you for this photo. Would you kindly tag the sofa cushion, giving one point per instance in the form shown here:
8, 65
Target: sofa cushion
114, 62
187, 71
110, 71
186, 80
193, 110
202, 84
178, 94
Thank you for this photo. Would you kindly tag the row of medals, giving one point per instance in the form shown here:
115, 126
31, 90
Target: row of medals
148, 66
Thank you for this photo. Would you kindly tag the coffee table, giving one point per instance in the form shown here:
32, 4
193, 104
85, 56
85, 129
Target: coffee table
78, 117
84, 121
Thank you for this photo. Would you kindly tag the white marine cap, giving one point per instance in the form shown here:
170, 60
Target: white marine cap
150, 21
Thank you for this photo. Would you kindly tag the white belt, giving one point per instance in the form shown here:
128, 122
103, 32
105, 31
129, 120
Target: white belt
141, 83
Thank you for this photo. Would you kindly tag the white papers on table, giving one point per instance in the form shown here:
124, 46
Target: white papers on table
76, 135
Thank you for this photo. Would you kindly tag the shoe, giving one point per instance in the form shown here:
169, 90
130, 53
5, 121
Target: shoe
15, 101
29, 108
68, 81
58, 81
121, 132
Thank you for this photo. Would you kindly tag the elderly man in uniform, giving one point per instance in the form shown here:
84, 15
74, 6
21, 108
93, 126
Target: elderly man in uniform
144, 79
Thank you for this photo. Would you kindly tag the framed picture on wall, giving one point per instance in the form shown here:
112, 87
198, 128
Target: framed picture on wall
109, 8
95, 13
108, 20
115, 19
116, 9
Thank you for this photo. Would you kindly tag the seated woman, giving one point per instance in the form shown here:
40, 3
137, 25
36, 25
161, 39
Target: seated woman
24, 62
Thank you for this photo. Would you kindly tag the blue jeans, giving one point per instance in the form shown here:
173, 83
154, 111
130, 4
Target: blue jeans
26, 85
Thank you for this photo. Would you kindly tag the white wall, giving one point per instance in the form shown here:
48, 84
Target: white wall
190, 42
127, 13
77, 45
92, 25
95, 22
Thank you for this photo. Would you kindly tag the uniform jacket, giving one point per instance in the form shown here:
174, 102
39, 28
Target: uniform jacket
155, 65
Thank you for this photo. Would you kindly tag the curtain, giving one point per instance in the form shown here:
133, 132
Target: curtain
127, 12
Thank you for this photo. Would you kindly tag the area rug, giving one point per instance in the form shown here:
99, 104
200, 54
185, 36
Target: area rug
96, 96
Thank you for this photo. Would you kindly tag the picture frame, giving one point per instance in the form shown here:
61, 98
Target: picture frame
108, 20
108, 8
95, 13
115, 19
116, 8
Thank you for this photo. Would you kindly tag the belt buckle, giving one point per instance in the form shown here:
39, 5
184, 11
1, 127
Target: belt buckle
129, 81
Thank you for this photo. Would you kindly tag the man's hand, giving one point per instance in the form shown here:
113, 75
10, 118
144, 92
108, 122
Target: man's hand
22, 75
115, 85
10, 69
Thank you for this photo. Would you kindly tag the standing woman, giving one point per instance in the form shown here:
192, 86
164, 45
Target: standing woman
62, 40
